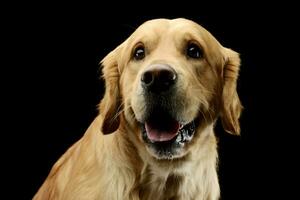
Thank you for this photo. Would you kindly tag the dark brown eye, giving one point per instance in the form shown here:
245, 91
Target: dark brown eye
139, 53
194, 51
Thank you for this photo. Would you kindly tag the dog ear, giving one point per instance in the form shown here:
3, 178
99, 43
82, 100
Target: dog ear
111, 102
231, 107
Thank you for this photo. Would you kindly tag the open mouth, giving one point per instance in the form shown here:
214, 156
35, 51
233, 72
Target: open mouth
168, 131
165, 135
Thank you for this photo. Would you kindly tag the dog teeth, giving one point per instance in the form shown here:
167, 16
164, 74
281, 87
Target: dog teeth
181, 126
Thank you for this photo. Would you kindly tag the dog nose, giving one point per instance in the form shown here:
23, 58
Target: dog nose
158, 78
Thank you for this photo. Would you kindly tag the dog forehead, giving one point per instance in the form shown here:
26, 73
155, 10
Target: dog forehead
162, 25
156, 28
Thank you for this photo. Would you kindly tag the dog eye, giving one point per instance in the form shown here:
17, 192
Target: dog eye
194, 51
139, 53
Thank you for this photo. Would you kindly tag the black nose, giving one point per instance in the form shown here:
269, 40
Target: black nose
158, 78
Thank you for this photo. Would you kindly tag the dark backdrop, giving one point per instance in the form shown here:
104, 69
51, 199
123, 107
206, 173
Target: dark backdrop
56, 51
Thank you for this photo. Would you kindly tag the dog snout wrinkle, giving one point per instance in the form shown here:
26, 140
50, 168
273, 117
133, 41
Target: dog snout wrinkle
158, 78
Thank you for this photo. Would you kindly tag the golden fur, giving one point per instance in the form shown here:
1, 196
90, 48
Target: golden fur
119, 166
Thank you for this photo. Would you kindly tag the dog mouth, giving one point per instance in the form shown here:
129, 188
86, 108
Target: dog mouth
166, 136
162, 131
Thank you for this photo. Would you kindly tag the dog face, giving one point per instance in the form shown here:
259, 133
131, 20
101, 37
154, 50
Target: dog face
169, 80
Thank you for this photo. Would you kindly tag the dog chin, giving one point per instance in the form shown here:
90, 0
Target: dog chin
166, 155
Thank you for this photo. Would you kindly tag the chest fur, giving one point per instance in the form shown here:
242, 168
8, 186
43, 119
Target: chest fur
198, 183
163, 186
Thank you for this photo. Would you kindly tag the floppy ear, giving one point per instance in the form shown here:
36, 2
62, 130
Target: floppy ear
231, 105
111, 101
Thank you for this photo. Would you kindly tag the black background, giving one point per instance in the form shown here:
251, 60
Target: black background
55, 88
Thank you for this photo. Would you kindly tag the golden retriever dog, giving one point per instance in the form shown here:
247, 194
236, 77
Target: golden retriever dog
166, 86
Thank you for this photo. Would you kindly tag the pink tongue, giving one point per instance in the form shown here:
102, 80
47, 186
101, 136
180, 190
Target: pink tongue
160, 136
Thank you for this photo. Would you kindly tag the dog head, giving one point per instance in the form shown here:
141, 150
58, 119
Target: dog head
168, 80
